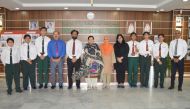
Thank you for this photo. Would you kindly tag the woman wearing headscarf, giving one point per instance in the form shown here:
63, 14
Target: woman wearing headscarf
121, 50
92, 64
108, 59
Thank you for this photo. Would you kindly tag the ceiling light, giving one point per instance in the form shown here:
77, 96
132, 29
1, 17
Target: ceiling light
161, 9
118, 9
66, 8
185, 0
17, 8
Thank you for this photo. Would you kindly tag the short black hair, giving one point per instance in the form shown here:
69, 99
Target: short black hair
146, 33
161, 35
10, 39
90, 37
133, 33
74, 31
43, 28
27, 35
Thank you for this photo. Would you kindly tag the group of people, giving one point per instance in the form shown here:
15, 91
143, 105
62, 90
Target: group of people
93, 62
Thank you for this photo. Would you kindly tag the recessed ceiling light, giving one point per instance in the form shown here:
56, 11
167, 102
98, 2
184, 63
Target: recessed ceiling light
66, 8
185, 0
118, 9
17, 8
161, 9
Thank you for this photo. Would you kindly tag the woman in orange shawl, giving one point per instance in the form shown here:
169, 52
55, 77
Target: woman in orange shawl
109, 59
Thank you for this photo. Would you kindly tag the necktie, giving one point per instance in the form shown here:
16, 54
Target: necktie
43, 45
11, 59
160, 50
57, 51
28, 52
133, 48
73, 50
176, 45
147, 46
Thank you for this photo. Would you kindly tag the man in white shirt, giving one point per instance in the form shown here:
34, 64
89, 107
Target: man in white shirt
145, 50
74, 51
41, 44
28, 55
160, 53
177, 52
133, 60
10, 58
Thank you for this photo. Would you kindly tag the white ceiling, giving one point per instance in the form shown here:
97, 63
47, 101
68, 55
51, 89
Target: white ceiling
137, 5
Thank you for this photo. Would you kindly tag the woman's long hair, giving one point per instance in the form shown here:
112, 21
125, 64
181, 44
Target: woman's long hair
123, 40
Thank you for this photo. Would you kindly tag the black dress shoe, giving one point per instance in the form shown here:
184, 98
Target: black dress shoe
161, 87
122, 86
25, 88
41, 85
34, 87
9, 93
61, 86
46, 86
170, 88
19, 91
53, 87
70, 87
134, 86
155, 86
180, 89
78, 87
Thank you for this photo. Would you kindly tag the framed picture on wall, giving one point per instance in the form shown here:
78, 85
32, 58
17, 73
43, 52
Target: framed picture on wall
147, 26
50, 25
131, 27
33, 25
179, 21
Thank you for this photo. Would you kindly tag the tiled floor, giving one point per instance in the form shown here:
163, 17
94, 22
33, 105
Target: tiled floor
128, 98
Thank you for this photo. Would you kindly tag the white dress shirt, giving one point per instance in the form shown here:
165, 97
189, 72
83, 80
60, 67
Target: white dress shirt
38, 44
24, 51
164, 50
136, 45
78, 48
181, 48
5, 55
142, 47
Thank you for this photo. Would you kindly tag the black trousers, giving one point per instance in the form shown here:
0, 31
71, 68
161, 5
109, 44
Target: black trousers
120, 72
12, 71
71, 67
180, 67
28, 71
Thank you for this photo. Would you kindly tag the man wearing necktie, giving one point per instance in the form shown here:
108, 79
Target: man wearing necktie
10, 58
160, 53
177, 52
41, 44
74, 52
133, 60
145, 51
56, 53
28, 56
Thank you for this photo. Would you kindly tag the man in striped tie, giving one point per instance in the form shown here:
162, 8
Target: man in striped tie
160, 53
177, 52
56, 53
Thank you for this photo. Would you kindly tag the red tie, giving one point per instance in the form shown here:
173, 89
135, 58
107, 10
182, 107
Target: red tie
160, 50
57, 51
133, 48
147, 46
73, 50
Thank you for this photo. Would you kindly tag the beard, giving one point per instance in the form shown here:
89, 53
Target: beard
74, 38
